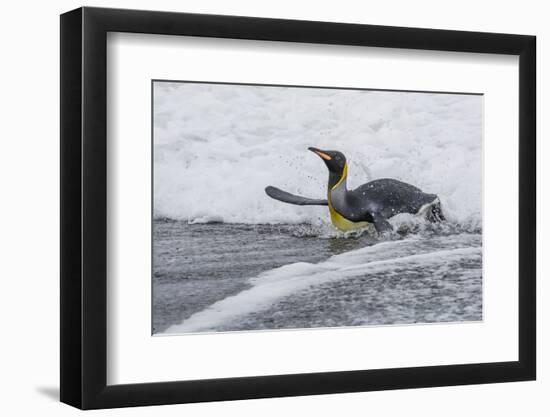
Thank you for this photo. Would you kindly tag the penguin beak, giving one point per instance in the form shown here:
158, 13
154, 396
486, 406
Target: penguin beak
322, 154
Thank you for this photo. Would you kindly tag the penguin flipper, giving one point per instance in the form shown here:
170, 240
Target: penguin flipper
285, 197
381, 224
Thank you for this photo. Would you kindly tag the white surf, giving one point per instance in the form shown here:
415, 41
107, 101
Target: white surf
440, 254
216, 147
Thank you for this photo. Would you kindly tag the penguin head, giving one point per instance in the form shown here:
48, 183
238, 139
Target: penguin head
334, 160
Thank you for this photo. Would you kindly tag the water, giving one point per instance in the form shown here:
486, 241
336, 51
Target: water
227, 277
216, 148
231, 258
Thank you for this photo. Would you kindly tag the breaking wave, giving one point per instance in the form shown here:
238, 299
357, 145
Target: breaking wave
216, 147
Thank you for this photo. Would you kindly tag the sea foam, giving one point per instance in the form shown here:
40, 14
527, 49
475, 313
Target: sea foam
216, 147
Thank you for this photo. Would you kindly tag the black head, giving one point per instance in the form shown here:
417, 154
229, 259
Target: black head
334, 160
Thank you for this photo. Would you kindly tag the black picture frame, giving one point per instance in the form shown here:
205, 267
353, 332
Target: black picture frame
84, 207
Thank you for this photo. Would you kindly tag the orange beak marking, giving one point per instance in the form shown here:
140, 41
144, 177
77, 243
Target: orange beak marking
323, 155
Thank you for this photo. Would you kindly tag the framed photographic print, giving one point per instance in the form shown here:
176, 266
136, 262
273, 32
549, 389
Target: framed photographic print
258, 207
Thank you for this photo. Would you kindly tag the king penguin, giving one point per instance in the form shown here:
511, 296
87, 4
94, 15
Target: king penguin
374, 202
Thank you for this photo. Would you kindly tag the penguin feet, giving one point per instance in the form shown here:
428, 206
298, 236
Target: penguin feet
434, 213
